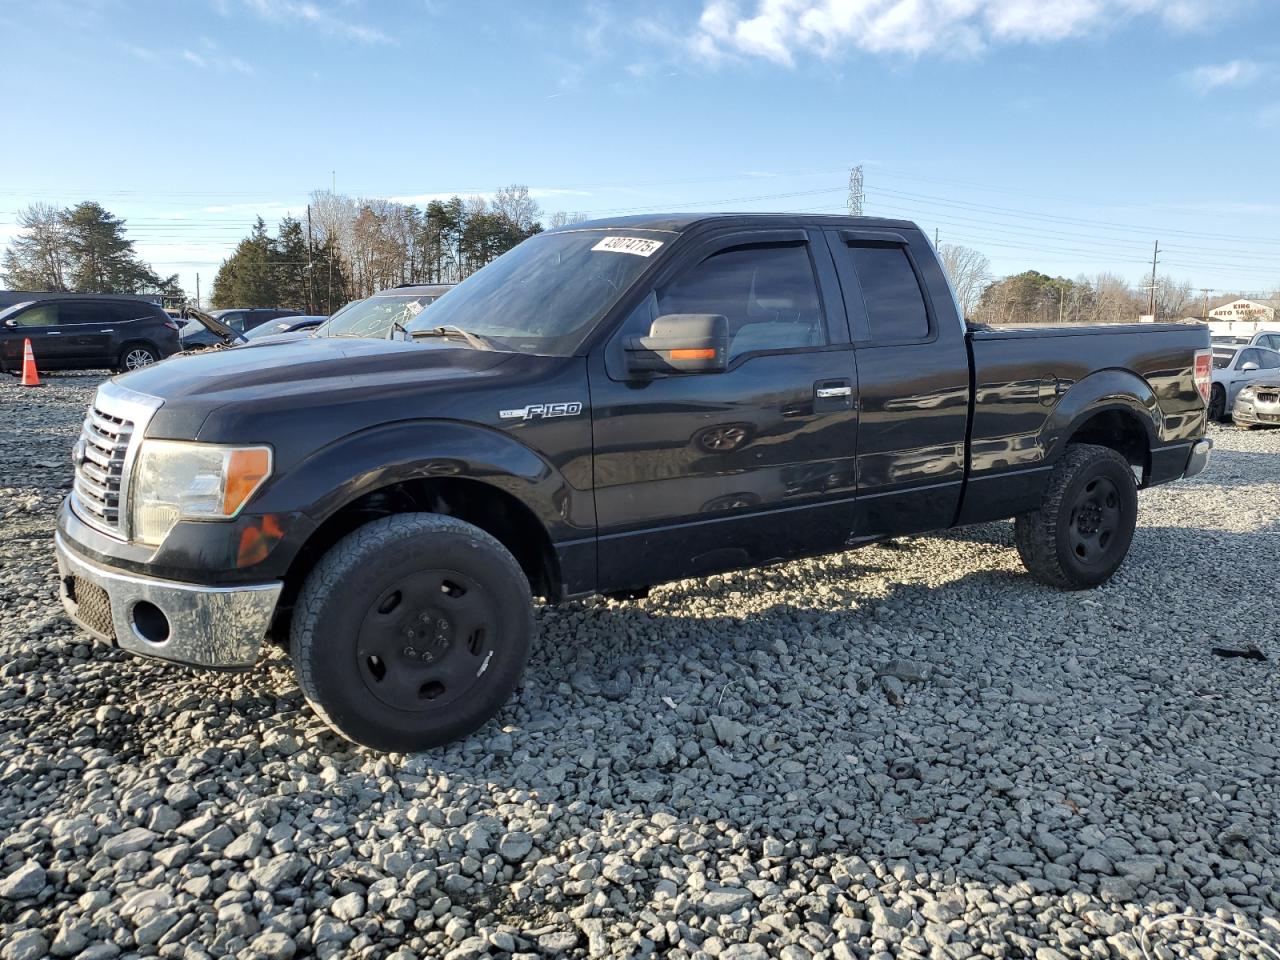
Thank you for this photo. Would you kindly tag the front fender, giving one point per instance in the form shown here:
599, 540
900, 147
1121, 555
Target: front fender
298, 502
1110, 389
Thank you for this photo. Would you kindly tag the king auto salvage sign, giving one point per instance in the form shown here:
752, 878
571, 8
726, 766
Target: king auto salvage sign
1243, 310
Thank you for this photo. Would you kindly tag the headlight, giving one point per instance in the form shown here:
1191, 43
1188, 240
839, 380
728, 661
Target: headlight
174, 481
1246, 393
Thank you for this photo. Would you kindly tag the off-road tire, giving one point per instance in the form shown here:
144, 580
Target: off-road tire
1218, 403
1049, 538
336, 606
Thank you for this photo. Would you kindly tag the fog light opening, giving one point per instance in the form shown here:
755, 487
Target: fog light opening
149, 622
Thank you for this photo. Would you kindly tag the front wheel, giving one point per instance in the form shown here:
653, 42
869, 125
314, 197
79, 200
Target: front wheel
1218, 403
1082, 531
411, 632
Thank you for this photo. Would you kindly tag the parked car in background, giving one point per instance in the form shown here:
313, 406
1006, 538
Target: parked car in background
378, 316
286, 328
1233, 368
1270, 339
81, 333
196, 336
1258, 403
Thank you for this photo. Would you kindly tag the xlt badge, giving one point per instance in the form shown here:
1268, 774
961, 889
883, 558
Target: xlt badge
541, 410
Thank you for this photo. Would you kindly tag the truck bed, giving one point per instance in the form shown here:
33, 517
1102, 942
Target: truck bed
1028, 396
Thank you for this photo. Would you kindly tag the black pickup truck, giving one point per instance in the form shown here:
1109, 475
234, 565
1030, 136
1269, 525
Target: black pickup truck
608, 406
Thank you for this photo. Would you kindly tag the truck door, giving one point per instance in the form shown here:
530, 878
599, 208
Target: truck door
913, 386
701, 472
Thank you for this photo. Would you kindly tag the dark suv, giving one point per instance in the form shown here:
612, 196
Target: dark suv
82, 333
196, 336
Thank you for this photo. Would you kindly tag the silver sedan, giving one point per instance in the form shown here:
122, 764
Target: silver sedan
1258, 403
1233, 368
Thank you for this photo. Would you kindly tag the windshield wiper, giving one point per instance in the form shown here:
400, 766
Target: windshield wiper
473, 340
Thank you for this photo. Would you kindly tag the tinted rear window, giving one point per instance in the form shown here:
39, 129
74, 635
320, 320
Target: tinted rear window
891, 293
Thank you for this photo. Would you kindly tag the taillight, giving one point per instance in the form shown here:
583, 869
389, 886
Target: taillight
172, 325
1203, 373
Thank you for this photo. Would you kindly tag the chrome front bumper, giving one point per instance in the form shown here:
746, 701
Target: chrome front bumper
1199, 459
217, 627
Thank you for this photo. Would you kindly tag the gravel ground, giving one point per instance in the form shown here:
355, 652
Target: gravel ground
904, 751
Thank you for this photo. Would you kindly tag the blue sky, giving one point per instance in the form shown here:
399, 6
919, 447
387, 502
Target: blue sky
1064, 135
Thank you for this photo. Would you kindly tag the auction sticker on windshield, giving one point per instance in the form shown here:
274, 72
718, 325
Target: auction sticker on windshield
637, 245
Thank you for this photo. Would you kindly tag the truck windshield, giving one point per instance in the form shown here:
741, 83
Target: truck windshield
545, 295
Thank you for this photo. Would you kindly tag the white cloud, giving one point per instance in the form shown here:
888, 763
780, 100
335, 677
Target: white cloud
781, 30
318, 16
1234, 73
194, 58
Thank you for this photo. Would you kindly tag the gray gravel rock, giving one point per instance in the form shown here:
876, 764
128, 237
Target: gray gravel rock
26, 881
910, 750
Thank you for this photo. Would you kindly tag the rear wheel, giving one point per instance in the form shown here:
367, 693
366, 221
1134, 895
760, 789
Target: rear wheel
136, 356
411, 632
1082, 531
1218, 403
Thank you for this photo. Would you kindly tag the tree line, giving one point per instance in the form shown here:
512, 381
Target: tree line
353, 247
80, 249
1032, 297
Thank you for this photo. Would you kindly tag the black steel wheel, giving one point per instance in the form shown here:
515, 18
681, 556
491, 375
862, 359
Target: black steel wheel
1082, 531
411, 632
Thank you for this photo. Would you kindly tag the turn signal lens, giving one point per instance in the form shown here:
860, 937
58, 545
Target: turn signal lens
706, 353
246, 469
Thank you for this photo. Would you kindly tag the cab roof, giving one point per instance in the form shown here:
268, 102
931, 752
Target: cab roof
682, 222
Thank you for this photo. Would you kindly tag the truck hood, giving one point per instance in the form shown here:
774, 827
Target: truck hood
300, 373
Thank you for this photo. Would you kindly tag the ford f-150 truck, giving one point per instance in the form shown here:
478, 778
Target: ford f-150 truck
608, 406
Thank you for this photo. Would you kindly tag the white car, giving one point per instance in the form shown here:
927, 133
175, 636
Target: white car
1233, 367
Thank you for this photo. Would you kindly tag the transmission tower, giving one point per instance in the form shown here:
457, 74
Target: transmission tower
855, 191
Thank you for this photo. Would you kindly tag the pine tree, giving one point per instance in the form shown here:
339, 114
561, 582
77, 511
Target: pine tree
102, 258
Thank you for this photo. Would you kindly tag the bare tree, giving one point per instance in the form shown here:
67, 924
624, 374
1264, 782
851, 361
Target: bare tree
562, 218
1173, 297
517, 206
969, 272
39, 257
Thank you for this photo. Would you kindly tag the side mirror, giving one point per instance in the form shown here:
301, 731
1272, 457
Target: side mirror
11, 322
681, 343
1249, 367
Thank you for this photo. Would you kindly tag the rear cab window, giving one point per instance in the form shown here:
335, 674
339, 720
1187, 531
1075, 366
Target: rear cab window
891, 293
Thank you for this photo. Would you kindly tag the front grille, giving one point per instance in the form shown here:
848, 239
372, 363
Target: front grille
100, 461
93, 607
1269, 397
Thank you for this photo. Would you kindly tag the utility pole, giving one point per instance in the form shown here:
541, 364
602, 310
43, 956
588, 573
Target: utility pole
935, 238
197, 291
1155, 254
1206, 291
1062, 299
855, 191
310, 264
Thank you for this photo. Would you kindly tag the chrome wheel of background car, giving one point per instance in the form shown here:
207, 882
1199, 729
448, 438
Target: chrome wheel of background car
138, 357
1094, 520
426, 639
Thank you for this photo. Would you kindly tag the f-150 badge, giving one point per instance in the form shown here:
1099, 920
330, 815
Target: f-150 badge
543, 411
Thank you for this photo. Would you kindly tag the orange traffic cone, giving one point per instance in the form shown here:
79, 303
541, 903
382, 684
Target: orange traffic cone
30, 375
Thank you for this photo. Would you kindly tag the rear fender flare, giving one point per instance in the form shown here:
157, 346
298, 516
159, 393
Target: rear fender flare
1111, 389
